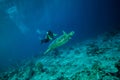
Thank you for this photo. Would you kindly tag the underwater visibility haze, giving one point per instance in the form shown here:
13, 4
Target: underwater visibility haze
85, 30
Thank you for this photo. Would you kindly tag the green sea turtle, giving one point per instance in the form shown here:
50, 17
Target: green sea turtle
59, 41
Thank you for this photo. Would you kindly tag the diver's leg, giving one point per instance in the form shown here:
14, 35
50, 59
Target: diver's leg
44, 41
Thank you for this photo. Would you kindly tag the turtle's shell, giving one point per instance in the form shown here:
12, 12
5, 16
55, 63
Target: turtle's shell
59, 41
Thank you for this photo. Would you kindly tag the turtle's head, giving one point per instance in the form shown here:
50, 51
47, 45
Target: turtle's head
71, 33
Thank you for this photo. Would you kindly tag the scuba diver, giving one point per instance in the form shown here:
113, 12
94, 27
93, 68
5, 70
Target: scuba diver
49, 36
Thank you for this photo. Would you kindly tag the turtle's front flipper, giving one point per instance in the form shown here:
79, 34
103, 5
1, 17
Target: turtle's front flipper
64, 33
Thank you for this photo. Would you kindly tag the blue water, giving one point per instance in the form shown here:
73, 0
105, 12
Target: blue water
20, 20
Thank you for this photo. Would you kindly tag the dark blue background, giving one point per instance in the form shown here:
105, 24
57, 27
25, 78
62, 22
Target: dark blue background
88, 18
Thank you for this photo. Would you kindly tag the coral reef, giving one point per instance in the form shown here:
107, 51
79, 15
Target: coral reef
97, 59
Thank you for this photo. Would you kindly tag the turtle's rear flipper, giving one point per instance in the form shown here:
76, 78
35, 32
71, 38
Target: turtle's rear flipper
48, 50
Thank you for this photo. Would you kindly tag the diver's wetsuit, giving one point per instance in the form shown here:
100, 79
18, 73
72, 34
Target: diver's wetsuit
47, 38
